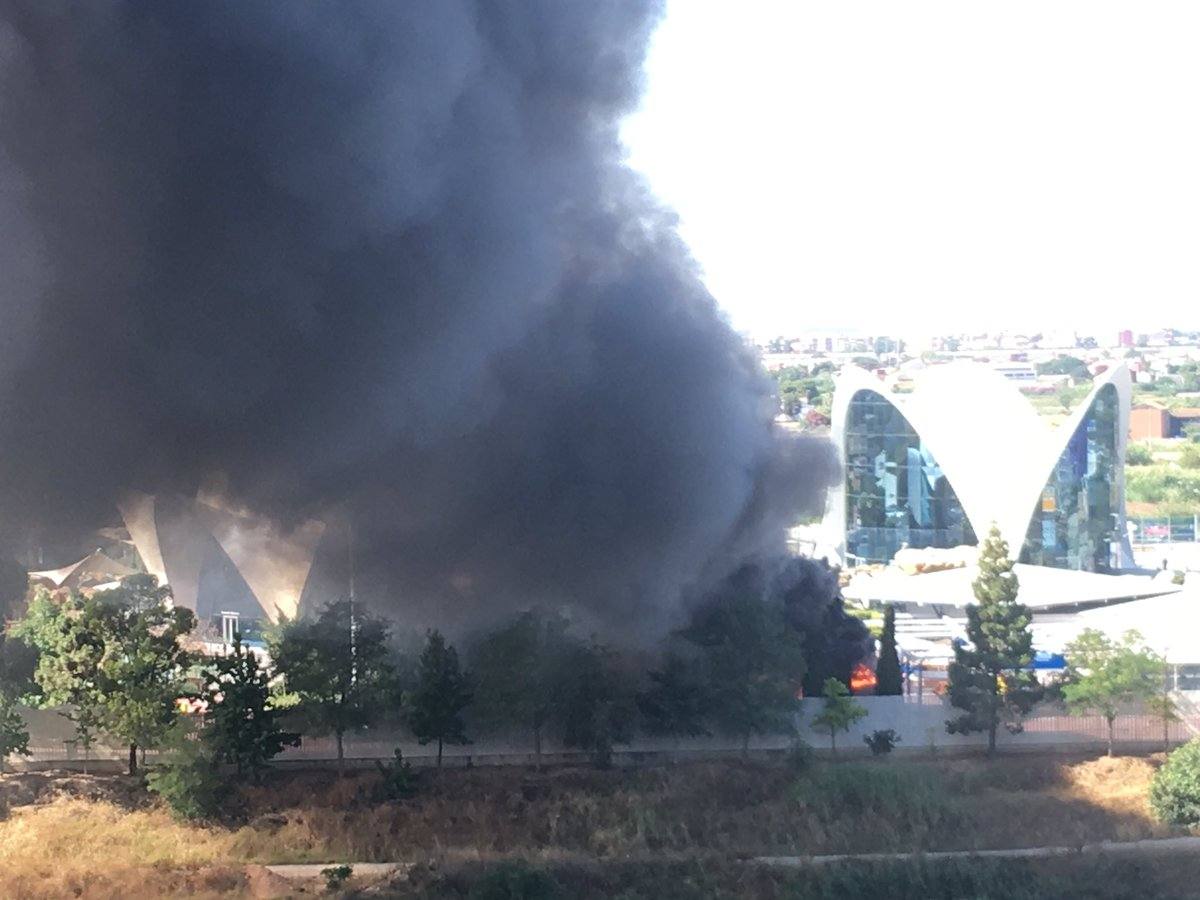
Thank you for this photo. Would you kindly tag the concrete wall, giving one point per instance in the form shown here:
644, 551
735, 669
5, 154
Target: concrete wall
920, 725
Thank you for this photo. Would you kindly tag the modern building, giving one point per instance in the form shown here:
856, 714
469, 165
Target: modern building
235, 571
936, 467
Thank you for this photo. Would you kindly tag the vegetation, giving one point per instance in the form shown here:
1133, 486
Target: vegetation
337, 666
839, 711
16, 683
597, 708
1175, 790
519, 670
990, 680
750, 662
397, 780
798, 387
889, 681
144, 663
115, 658
1073, 366
188, 780
442, 692
728, 808
881, 741
241, 724
14, 583
1169, 489
1138, 455
1105, 676
676, 702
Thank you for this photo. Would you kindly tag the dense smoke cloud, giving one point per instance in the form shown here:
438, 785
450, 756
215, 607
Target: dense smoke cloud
381, 258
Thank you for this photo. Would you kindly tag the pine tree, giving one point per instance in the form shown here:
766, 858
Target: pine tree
888, 679
442, 692
991, 680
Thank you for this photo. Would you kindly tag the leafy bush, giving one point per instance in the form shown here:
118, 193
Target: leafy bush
336, 876
881, 741
1175, 790
189, 782
397, 781
1138, 455
1189, 457
895, 793
515, 880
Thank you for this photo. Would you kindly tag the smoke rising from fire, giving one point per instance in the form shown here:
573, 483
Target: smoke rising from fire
380, 258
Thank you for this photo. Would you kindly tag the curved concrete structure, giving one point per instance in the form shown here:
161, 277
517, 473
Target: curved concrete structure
988, 441
218, 560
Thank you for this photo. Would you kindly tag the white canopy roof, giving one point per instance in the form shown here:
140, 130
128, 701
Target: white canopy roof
1042, 587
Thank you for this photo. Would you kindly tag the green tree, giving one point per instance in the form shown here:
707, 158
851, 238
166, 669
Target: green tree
888, 679
337, 667
1105, 676
1162, 707
991, 680
442, 693
1066, 365
241, 723
17, 664
595, 708
14, 582
70, 645
675, 703
144, 664
839, 712
751, 661
518, 672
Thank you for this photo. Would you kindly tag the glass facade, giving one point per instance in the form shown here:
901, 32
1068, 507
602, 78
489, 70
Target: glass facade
1075, 524
896, 494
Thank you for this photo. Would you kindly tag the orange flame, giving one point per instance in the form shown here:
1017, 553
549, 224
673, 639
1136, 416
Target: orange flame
862, 678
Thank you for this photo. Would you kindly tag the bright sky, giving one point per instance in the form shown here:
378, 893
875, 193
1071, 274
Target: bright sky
928, 166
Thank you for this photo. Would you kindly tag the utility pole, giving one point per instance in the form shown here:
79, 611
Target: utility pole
353, 622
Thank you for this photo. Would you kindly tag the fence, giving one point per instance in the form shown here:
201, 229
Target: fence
1169, 530
920, 723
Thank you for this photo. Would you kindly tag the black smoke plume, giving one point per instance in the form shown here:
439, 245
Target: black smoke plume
382, 258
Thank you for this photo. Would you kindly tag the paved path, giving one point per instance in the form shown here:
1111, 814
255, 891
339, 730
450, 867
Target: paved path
1151, 847
313, 870
1147, 847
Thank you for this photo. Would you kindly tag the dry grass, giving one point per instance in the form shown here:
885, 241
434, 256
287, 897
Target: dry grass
718, 808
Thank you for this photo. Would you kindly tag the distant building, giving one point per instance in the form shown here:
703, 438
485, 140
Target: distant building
936, 467
1151, 421
1125, 338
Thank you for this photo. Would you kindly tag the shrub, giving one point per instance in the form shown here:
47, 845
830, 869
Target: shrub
1189, 457
1138, 455
1175, 790
515, 880
881, 741
397, 781
336, 876
189, 782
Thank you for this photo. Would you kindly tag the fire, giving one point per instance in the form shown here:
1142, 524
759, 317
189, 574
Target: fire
862, 678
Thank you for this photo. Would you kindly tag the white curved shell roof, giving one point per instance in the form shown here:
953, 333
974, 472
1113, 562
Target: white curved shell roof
994, 448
